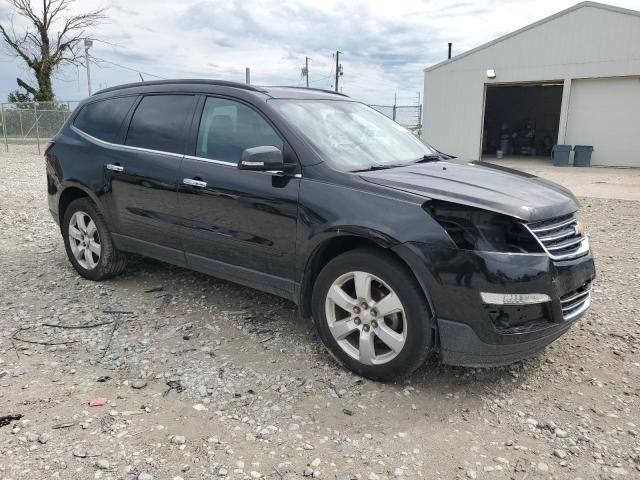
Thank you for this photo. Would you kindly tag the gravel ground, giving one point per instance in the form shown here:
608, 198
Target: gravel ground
197, 378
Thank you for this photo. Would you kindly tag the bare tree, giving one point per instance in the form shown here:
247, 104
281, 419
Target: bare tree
52, 40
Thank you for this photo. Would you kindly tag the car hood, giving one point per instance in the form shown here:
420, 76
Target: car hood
482, 185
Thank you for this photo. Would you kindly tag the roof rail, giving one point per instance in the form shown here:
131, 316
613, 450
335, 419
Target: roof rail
222, 83
310, 88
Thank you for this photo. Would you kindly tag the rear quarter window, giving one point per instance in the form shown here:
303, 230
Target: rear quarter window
103, 119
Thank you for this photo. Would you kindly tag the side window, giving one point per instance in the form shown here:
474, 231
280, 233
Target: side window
103, 119
228, 127
161, 122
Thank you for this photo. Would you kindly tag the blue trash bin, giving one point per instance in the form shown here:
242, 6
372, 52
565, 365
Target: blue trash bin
582, 155
561, 154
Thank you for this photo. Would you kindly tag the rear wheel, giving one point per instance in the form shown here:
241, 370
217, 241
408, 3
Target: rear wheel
372, 315
88, 242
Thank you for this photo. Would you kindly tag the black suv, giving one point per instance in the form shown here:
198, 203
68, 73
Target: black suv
394, 249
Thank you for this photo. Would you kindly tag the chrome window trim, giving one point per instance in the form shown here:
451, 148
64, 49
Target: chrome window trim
117, 146
211, 160
235, 165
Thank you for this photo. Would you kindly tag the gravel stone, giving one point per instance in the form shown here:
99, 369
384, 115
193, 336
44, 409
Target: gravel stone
138, 384
558, 452
542, 467
269, 395
344, 476
560, 433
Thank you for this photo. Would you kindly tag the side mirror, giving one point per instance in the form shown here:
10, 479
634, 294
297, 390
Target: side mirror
262, 159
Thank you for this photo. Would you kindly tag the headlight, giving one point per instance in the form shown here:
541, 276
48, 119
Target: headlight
473, 228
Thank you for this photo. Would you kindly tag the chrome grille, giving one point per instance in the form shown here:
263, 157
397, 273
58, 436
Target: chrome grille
560, 237
576, 302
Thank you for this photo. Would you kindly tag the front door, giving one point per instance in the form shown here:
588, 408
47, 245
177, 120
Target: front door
143, 182
238, 224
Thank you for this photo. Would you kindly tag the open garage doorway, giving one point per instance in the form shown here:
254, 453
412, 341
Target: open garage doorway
521, 119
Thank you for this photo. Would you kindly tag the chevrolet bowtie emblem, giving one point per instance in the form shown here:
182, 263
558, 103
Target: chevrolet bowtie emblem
580, 228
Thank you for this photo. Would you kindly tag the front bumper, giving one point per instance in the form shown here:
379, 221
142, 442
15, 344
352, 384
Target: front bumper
473, 333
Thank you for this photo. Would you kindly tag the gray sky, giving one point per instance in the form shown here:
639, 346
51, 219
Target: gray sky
386, 44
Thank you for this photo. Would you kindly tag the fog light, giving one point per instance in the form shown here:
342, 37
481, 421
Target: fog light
514, 298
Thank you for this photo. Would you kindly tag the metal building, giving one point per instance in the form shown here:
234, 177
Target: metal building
571, 78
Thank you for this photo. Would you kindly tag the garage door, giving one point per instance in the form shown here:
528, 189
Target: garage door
604, 112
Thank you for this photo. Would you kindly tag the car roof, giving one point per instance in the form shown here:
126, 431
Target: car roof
213, 86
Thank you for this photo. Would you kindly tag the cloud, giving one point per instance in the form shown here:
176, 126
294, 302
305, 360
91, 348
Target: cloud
385, 44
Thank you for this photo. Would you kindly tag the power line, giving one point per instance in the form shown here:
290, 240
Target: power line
128, 68
321, 78
108, 43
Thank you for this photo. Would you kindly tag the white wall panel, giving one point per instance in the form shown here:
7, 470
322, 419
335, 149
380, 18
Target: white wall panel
605, 113
586, 42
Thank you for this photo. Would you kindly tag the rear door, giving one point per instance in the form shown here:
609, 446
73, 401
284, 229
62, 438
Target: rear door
238, 224
142, 184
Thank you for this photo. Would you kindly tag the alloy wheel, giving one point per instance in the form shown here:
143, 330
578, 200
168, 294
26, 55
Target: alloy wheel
366, 318
84, 240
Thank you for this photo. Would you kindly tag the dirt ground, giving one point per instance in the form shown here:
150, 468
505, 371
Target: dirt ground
204, 379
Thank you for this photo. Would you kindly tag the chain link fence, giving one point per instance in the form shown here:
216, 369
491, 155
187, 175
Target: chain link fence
409, 116
32, 123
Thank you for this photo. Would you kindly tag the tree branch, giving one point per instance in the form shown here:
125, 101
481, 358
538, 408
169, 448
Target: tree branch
26, 86
52, 38
16, 46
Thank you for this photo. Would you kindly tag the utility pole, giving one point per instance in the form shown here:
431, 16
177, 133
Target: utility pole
395, 105
306, 69
88, 43
338, 69
247, 76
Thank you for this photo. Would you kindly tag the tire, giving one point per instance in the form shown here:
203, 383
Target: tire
407, 333
88, 228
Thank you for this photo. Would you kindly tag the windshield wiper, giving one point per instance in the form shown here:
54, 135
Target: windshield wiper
426, 158
378, 167
434, 157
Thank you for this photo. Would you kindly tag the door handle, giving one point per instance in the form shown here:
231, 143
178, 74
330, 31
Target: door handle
194, 183
114, 167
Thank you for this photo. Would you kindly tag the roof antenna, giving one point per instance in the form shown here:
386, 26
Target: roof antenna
141, 78
449, 57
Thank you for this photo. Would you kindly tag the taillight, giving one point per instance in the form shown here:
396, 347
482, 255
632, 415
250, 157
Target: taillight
48, 147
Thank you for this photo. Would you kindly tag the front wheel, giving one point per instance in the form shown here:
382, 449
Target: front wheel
372, 315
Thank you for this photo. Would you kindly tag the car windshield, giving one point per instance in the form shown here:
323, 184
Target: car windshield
352, 136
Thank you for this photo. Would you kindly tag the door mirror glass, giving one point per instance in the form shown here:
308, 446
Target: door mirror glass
262, 158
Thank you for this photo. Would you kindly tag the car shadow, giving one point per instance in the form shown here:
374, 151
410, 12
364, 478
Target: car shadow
266, 314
